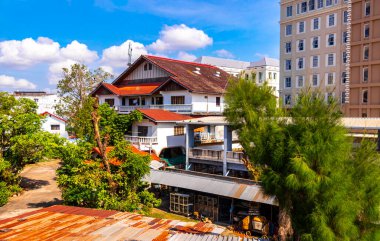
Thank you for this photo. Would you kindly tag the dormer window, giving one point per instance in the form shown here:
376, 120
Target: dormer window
148, 66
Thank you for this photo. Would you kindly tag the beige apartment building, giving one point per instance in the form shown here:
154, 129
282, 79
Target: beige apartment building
364, 95
313, 48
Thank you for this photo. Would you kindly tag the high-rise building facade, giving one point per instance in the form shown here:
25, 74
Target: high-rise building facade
364, 95
313, 47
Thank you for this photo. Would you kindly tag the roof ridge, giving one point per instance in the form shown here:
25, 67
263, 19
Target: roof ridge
181, 61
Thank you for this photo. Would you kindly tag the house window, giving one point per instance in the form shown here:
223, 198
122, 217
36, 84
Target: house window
123, 101
288, 82
320, 3
330, 59
344, 57
134, 101
329, 97
289, 11
300, 63
303, 7
367, 8
178, 100
270, 75
311, 5
148, 66
159, 100
329, 3
288, 99
365, 74
345, 37
288, 30
217, 101
301, 27
315, 42
345, 16
142, 101
315, 80
330, 78
315, 23
344, 77
288, 47
300, 81
274, 75
110, 102
54, 127
315, 61
142, 130
366, 30
260, 77
288, 64
301, 45
366, 52
179, 130
365, 96
331, 40
35, 100
331, 20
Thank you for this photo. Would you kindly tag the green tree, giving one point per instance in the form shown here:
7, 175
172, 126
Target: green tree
75, 104
307, 161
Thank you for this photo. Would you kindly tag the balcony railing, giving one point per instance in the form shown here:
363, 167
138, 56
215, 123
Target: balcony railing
142, 140
215, 155
172, 108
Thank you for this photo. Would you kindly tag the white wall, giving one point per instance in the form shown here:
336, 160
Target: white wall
204, 105
115, 97
168, 94
45, 103
48, 121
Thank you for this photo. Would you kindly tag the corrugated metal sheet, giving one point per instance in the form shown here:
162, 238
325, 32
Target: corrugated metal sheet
74, 223
207, 237
248, 192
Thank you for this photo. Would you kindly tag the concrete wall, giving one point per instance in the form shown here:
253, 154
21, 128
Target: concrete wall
204, 105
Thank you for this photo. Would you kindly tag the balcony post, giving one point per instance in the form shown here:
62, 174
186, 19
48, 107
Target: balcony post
189, 143
227, 146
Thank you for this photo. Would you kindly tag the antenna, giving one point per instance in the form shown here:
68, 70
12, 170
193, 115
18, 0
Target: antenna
129, 54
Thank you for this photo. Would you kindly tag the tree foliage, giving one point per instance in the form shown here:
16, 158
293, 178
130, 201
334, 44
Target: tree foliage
75, 104
21, 141
328, 189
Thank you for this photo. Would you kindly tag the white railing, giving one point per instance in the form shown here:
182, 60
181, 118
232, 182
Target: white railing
127, 109
142, 140
215, 155
174, 108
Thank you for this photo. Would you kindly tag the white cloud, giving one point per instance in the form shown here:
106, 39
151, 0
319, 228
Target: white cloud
13, 83
261, 55
180, 37
224, 54
108, 69
186, 56
79, 52
117, 55
28, 51
56, 70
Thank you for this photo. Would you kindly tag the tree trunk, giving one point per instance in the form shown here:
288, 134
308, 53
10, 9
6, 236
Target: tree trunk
285, 231
102, 146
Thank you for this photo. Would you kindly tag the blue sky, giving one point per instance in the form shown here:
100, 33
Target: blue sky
38, 38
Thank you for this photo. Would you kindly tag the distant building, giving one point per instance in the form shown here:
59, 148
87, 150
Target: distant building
266, 69
231, 66
45, 101
54, 124
364, 98
313, 41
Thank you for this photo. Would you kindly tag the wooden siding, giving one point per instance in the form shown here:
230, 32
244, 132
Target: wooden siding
140, 73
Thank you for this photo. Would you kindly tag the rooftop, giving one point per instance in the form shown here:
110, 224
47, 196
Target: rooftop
76, 223
265, 62
158, 115
222, 62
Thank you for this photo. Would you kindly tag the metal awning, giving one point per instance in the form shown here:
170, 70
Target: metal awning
201, 183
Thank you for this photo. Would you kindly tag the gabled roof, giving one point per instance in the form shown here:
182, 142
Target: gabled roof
196, 77
158, 115
222, 62
265, 62
54, 116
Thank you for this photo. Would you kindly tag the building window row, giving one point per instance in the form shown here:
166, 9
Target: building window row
315, 42
330, 79
310, 5
314, 61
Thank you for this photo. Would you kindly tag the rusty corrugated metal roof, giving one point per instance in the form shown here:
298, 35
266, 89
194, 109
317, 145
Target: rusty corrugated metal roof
75, 223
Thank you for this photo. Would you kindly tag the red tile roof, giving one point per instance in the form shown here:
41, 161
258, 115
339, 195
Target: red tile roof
133, 89
54, 116
133, 149
210, 79
158, 115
